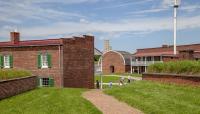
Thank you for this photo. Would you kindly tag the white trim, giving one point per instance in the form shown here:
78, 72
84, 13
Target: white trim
115, 52
42, 65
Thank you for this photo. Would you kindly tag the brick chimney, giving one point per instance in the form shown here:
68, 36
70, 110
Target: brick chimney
15, 37
165, 46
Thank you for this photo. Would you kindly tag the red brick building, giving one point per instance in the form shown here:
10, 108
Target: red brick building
145, 57
64, 62
116, 62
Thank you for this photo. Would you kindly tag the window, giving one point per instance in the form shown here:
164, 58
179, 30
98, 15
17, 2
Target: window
46, 82
44, 61
7, 61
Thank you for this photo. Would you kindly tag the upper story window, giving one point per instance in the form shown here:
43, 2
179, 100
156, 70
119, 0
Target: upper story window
44, 60
6, 61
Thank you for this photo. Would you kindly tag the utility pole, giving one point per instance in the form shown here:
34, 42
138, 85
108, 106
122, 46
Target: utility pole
176, 5
101, 74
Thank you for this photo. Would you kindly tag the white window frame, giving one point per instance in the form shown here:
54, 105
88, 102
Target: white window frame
44, 64
6, 63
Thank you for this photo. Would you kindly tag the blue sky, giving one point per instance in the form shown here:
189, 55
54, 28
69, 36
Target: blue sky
128, 24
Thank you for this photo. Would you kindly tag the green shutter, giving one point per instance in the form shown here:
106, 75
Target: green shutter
1, 61
11, 61
49, 60
51, 82
39, 61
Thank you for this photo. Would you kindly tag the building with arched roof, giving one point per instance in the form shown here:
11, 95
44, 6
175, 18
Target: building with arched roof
116, 62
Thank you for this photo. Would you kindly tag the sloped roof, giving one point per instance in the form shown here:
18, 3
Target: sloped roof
154, 53
32, 43
165, 50
97, 52
126, 56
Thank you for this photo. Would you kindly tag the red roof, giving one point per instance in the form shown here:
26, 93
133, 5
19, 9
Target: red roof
32, 43
167, 53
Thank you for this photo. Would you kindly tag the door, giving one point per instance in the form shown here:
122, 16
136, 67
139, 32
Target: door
112, 69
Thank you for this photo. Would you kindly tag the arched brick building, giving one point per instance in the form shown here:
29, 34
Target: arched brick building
116, 62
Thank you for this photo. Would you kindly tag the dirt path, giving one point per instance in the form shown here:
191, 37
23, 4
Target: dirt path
108, 104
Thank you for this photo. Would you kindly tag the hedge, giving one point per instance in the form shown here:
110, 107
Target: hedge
9, 74
97, 57
176, 67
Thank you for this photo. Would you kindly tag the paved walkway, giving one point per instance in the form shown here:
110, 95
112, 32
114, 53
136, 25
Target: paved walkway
108, 104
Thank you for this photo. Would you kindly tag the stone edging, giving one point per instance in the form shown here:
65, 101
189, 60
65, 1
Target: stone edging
169, 74
14, 79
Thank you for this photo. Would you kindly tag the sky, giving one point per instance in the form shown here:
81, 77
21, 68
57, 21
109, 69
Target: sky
128, 24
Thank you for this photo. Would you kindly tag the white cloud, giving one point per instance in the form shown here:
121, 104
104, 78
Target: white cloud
134, 25
190, 8
125, 4
149, 11
167, 3
16, 12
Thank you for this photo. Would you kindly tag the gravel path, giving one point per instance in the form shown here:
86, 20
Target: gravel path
108, 104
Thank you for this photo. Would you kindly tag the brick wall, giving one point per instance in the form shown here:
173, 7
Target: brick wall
167, 59
170, 78
162, 49
186, 54
13, 87
78, 62
113, 59
128, 68
27, 58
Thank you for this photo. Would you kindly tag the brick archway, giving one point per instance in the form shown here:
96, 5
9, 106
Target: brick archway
113, 62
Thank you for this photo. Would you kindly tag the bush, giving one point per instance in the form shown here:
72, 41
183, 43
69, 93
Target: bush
9, 74
97, 57
176, 67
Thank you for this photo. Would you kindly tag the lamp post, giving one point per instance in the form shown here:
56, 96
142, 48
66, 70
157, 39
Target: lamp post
176, 5
101, 75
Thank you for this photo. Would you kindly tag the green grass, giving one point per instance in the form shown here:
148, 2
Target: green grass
48, 101
9, 74
158, 98
176, 67
134, 75
113, 78
127, 74
107, 79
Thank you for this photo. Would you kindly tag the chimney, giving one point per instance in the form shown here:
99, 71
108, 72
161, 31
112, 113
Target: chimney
14, 37
165, 46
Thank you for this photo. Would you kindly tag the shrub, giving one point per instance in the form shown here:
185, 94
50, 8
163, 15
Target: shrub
97, 57
9, 74
158, 68
176, 67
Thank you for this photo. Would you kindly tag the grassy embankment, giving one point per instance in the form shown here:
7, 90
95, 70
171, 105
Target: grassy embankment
9, 74
158, 98
179, 67
48, 101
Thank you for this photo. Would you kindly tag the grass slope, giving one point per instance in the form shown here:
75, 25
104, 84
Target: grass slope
158, 98
9, 74
48, 101
107, 79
